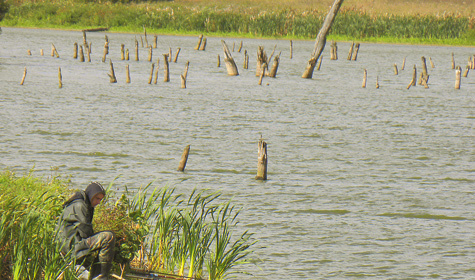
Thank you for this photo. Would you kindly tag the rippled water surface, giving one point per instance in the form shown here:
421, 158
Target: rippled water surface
363, 182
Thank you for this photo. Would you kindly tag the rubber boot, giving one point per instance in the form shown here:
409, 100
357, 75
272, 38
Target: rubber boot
105, 271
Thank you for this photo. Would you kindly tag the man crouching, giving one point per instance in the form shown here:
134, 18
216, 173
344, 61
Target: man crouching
76, 233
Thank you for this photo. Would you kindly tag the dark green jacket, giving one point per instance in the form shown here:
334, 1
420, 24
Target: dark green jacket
75, 225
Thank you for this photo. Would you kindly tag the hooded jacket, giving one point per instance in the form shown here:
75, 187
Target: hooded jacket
75, 224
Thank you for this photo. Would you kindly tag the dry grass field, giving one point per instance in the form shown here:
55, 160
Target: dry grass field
372, 7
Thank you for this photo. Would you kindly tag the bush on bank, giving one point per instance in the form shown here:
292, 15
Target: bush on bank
155, 229
171, 17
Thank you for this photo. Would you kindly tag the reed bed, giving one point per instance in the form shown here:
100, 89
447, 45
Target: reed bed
351, 22
156, 229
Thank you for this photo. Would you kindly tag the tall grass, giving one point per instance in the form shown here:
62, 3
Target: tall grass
352, 23
156, 229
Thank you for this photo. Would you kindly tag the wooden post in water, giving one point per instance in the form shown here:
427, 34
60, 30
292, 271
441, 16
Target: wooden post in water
184, 158
291, 49
465, 73
229, 61
136, 50
28, 52
127, 74
321, 39
176, 55
156, 71
261, 160
23, 78
333, 51
169, 54
155, 39
41, 52
184, 75
122, 52
453, 61
414, 78
377, 82
75, 53
263, 73
431, 62
246, 60
81, 54
141, 41
357, 48
240, 47
127, 54
150, 53
200, 39
350, 52
424, 75
166, 76
365, 77
106, 51
395, 69
145, 35
458, 79
112, 73
54, 51
219, 61
203, 45
88, 52
151, 74
403, 64
60, 78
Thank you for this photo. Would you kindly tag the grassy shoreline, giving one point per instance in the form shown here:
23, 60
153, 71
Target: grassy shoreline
226, 20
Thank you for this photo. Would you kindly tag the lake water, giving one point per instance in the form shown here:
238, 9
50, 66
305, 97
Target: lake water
362, 182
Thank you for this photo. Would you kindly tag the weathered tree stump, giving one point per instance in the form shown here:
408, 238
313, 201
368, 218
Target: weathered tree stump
151, 74
261, 160
156, 71
84, 40
141, 41
88, 51
219, 61
458, 79
229, 61
395, 69
240, 47
184, 159
127, 74
261, 60
431, 62
169, 54
403, 64
365, 77
166, 76
112, 77
424, 74
321, 39
184, 75
60, 78
23, 78
200, 39
145, 35
275, 66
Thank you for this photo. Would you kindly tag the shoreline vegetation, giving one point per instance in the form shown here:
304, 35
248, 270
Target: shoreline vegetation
156, 229
450, 22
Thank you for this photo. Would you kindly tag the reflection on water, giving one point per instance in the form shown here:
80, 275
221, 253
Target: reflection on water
363, 182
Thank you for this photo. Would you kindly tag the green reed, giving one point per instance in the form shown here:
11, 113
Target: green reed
172, 17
